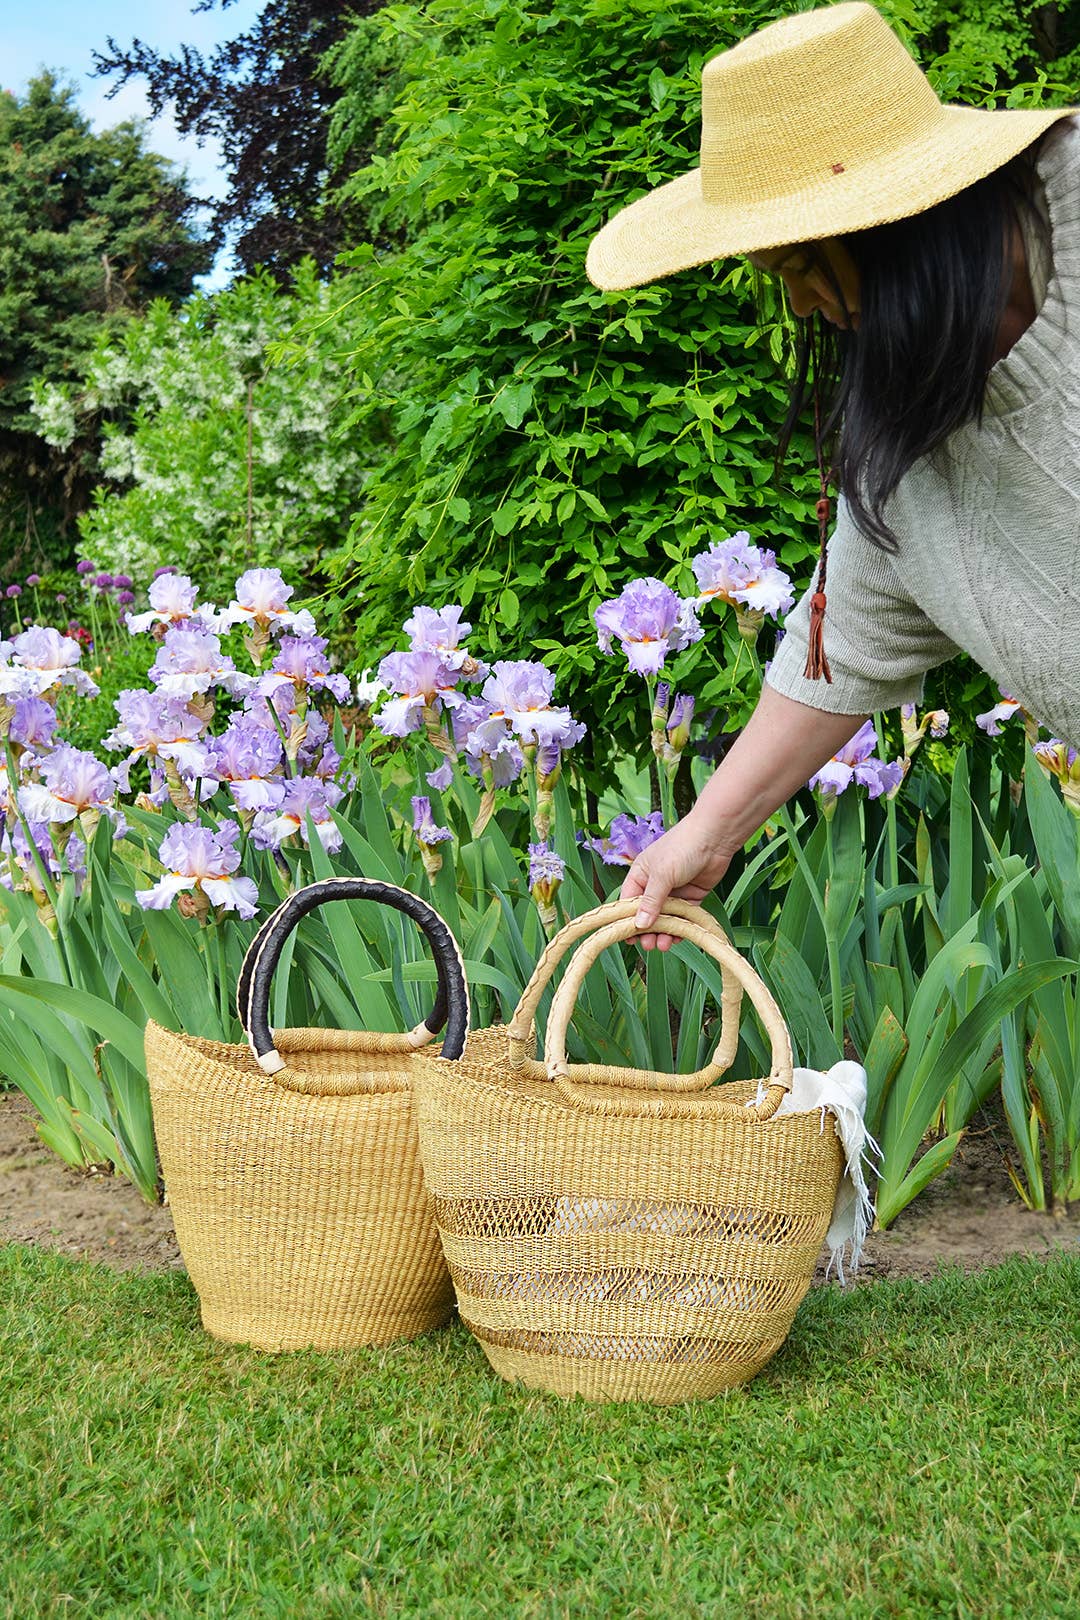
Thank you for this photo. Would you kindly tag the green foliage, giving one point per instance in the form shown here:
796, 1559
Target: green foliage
92, 226
548, 442
189, 405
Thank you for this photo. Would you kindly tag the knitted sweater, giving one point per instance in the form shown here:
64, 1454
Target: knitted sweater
988, 527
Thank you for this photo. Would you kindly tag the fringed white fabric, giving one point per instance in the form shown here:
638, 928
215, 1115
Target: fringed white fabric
841, 1092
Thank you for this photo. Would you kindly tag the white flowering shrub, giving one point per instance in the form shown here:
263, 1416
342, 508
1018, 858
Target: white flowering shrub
214, 455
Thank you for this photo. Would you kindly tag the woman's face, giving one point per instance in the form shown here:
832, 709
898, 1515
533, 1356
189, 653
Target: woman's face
808, 286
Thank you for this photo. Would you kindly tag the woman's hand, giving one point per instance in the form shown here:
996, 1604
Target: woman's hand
781, 748
688, 861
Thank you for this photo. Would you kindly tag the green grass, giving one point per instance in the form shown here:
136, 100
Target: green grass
913, 1451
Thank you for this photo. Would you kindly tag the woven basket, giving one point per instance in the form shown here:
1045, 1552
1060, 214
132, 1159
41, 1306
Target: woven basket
292, 1164
618, 1234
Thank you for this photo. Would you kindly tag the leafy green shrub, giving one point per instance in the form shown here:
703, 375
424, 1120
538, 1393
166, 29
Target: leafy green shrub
549, 441
217, 459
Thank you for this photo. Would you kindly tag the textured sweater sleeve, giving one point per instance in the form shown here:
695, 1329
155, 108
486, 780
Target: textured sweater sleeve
878, 641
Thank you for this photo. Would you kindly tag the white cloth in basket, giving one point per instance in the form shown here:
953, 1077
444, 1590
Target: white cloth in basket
841, 1092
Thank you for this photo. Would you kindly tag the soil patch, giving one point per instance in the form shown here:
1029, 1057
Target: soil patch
971, 1216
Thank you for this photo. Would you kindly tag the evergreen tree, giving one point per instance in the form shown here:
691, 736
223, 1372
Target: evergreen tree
92, 226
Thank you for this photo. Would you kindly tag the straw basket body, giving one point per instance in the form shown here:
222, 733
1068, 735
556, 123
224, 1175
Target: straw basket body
623, 1242
293, 1170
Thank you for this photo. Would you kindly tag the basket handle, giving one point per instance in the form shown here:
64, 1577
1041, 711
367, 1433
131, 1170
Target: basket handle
607, 1102
253, 986
520, 1029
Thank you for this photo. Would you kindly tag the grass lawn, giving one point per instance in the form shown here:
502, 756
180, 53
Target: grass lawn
913, 1451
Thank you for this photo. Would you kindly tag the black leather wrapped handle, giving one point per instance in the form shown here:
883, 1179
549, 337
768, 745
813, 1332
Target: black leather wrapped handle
253, 986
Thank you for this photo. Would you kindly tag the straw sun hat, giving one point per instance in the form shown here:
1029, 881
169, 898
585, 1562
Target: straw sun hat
816, 125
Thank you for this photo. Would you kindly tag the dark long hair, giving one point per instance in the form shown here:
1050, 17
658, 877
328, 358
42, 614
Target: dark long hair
933, 291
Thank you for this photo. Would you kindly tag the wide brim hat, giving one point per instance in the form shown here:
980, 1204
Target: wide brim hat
817, 125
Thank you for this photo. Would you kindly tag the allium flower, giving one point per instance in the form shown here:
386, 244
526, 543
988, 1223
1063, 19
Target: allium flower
442, 630
13, 591
125, 598
649, 621
626, 838
33, 579
303, 796
302, 661
85, 566
739, 572
856, 762
104, 582
165, 568
519, 692
61, 596
172, 601
419, 680
990, 721
123, 582
201, 860
160, 727
73, 781
262, 599
41, 659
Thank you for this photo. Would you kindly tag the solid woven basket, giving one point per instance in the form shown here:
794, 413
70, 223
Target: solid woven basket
620, 1234
292, 1164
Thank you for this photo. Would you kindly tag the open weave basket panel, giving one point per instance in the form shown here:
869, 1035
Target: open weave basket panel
301, 1216
621, 1257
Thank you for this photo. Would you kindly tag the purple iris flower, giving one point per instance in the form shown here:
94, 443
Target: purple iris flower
546, 869
649, 621
172, 601
742, 573
159, 726
191, 661
205, 859
626, 838
424, 822
491, 747
520, 692
1004, 710
73, 780
302, 796
441, 631
249, 759
33, 723
41, 659
302, 661
856, 762
419, 680
262, 599
441, 777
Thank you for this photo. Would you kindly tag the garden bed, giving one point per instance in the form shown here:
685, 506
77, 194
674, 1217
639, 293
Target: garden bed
970, 1217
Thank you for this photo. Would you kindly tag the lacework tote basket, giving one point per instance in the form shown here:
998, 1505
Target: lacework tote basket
618, 1234
292, 1163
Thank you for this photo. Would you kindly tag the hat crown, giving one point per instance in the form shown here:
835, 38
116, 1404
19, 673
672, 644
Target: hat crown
812, 97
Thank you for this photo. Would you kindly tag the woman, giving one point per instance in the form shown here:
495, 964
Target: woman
940, 247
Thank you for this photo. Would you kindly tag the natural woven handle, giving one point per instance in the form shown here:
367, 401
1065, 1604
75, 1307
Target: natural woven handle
716, 945
253, 986
520, 1030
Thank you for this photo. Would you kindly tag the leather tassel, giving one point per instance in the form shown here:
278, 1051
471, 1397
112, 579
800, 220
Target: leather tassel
817, 664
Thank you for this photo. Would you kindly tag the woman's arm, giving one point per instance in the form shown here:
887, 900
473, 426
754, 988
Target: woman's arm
783, 745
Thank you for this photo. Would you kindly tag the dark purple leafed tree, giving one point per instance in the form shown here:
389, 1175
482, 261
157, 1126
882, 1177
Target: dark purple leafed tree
263, 96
